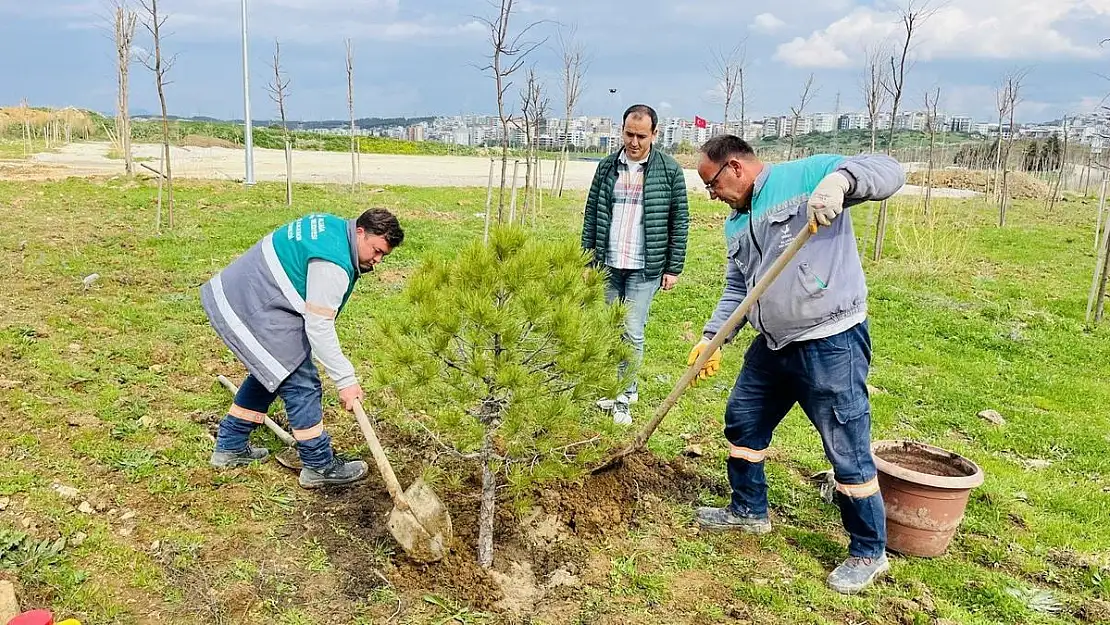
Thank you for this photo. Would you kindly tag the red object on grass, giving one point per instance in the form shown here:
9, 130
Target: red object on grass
34, 617
699, 122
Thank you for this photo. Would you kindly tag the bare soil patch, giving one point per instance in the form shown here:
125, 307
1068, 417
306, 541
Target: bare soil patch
539, 557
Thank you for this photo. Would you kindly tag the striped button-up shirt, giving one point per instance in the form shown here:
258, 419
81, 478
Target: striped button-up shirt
626, 230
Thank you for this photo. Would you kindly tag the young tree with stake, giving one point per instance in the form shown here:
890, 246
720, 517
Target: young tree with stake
159, 66
808, 92
509, 52
911, 17
575, 63
124, 26
279, 90
728, 71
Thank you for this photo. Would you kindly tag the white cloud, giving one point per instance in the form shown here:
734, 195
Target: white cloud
817, 51
995, 29
767, 23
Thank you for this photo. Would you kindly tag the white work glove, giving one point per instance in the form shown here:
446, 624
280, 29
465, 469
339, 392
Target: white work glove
827, 200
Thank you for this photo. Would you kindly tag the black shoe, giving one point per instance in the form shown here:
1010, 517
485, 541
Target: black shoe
336, 473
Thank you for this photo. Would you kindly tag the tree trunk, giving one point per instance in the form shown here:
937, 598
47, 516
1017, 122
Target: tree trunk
1098, 279
1101, 297
288, 173
489, 502
489, 199
880, 232
1101, 207
512, 194
1004, 195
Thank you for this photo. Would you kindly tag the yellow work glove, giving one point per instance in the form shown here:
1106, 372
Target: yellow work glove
711, 366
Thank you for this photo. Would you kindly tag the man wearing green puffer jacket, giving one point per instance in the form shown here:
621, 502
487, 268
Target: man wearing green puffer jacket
635, 225
275, 308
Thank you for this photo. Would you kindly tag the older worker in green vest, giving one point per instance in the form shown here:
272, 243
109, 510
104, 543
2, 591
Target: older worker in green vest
275, 308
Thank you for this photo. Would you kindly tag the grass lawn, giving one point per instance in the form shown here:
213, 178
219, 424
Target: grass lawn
110, 389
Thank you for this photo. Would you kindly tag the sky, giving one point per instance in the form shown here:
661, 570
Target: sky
423, 57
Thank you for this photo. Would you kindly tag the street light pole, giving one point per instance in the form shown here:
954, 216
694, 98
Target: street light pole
248, 136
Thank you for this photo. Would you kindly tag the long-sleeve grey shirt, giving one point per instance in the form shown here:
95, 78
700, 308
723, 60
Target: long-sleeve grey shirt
325, 287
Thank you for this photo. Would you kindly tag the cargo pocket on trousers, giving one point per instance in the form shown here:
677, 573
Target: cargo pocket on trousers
851, 428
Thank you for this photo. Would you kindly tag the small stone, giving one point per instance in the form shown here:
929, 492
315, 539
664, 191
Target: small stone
112, 512
686, 437
101, 506
1036, 464
26, 522
126, 531
9, 603
4, 502
74, 347
22, 245
78, 539
157, 368
66, 492
127, 516
693, 451
90, 279
992, 416
85, 508
874, 390
156, 545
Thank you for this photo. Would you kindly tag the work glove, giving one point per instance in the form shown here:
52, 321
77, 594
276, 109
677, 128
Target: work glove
827, 200
711, 366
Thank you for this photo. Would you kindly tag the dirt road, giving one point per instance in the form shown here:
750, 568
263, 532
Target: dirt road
91, 159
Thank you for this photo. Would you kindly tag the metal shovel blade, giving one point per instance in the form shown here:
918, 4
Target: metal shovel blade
424, 529
289, 458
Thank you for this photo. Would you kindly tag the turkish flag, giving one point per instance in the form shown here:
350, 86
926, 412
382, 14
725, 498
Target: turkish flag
699, 122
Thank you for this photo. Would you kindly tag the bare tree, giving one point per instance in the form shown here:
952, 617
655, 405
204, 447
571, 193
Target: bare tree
573, 53
930, 127
533, 108
279, 90
874, 86
1013, 97
508, 53
912, 15
153, 22
728, 71
125, 21
1002, 100
808, 92
351, 110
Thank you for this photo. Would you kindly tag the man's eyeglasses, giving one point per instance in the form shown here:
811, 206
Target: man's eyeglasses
713, 181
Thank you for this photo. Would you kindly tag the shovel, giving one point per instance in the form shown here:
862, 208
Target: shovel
288, 457
419, 521
692, 371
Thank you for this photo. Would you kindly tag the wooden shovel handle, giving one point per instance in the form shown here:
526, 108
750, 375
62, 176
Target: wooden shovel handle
386, 469
692, 371
274, 427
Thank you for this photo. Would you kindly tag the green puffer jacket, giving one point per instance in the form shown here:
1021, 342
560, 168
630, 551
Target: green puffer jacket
666, 214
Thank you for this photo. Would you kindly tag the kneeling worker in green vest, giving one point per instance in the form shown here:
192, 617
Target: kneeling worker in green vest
275, 308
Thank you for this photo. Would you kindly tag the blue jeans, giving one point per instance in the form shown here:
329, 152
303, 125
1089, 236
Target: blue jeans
302, 395
633, 288
828, 378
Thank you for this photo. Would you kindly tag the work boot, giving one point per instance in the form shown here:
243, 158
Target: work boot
855, 574
621, 414
223, 459
626, 398
725, 520
336, 473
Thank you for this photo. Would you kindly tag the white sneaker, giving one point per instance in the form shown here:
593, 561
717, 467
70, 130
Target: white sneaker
626, 398
621, 414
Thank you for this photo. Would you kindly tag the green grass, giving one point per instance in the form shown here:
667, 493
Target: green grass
109, 390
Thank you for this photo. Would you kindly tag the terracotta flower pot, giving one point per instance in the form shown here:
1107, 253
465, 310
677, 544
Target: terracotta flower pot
925, 491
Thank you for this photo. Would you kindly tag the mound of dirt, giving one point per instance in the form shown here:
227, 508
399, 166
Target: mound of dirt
1019, 185
538, 555
200, 141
